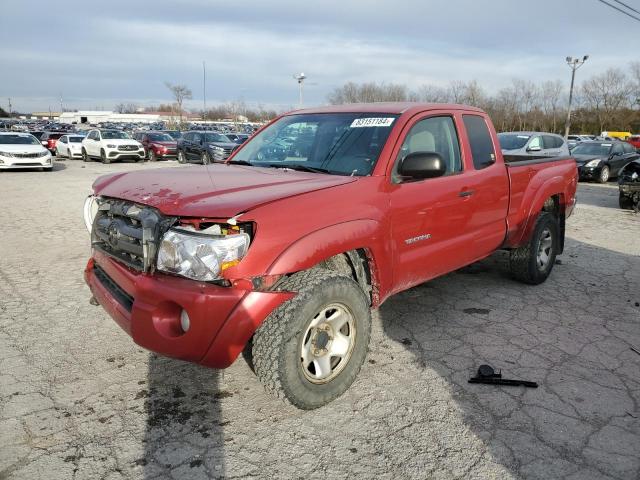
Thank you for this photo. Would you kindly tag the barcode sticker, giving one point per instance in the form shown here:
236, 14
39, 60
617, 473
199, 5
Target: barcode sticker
371, 122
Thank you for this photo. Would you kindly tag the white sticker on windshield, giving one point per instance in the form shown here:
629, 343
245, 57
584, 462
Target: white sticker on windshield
372, 122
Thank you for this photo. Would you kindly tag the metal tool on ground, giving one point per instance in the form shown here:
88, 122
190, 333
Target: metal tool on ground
486, 374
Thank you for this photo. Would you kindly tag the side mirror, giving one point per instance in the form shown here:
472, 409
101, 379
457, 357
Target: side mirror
534, 149
419, 165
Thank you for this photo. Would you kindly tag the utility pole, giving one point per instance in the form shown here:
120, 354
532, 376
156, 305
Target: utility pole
10, 112
300, 77
61, 109
204, 90
574, 64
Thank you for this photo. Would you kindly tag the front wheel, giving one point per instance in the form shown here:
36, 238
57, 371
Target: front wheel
104, 158
152, 156
181, 157
533, 262
309, 350
604, 174
206, 159
85, 157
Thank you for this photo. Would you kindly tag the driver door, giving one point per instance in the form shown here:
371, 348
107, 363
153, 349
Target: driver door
430, 217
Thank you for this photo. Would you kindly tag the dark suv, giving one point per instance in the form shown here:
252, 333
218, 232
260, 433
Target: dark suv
204, 147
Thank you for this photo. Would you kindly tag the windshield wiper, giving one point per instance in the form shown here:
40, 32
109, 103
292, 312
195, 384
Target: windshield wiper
301, 168
241, 162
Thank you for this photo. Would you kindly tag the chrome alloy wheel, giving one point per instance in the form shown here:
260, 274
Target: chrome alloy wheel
327, 343
544, 249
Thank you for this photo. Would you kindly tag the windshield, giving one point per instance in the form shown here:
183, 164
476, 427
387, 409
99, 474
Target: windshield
76, 139
160, 137
512, 141
114, 134
17, 139
592, 149
216, 137
174, 134
340, 143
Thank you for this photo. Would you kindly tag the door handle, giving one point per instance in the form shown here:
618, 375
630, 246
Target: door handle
466, 193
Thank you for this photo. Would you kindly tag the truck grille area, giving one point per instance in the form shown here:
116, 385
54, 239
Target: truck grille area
114, 289
129, 232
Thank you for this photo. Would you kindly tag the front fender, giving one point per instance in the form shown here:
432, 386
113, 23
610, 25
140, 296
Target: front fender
319, 245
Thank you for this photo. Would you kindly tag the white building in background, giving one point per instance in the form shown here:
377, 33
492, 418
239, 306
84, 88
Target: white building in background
101, 116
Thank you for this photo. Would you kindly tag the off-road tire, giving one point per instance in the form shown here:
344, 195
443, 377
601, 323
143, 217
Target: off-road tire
85, 157
277, 343
181, 158
523, 260
625, 202
605, 173
103, 156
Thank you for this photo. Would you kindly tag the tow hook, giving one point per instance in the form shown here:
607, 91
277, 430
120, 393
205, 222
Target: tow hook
93, 301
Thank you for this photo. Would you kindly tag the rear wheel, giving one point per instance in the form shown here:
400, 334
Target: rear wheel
626, 203
309, 351
104, 158
604, 174
533, 262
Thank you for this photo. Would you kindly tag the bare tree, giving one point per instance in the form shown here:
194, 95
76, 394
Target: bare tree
180, 94
126, 108
607, 94
368, 92
551, 93
431, 94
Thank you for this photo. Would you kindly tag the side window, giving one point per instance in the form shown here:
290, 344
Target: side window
435, 134
536, 142
480, 141
548, 141
628, 148
197, 138
617, 149
91, 135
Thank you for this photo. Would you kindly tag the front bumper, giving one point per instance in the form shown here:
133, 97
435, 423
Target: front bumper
125, 154
8, 163
589, 173
148, 308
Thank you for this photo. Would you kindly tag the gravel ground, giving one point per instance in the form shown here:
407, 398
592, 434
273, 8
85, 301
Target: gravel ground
80, 400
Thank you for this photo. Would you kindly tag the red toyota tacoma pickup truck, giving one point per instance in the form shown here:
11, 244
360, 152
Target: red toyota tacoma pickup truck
283, 250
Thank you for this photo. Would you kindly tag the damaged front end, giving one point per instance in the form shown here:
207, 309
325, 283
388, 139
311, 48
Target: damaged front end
629, 185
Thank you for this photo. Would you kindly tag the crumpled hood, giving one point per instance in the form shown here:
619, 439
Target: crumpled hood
214, 191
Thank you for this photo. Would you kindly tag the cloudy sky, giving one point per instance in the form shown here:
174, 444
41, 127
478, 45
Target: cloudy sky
97, 54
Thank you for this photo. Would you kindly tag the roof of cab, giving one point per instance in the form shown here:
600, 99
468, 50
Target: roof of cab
396, 108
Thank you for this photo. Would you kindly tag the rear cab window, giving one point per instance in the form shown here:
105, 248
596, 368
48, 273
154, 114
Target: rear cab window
480, 141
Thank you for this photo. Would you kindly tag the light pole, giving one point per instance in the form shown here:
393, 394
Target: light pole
574, 64
204, 90
300, 77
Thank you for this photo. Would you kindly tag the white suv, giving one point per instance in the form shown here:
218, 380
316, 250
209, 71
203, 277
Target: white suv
110, 145
23, 150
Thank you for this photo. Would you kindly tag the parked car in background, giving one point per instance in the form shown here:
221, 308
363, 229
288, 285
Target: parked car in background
204, 147
23, 150
49, 140
69, 146
175, 134
110, 145
158, 145
37, 133
634, 140
532, 144
238, 138
629, 185
601, 161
